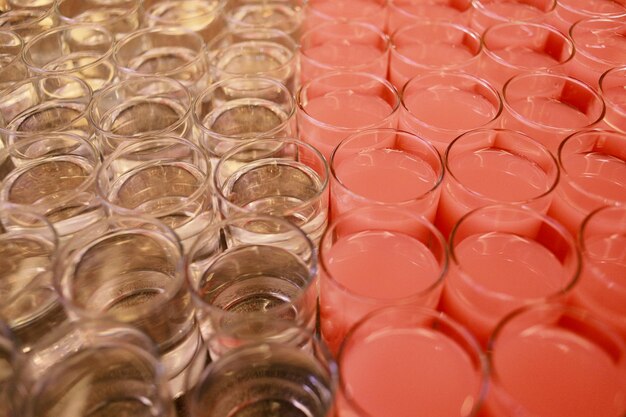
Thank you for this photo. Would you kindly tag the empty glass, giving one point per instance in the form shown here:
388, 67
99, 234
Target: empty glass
202, 16
285, 15
28, 22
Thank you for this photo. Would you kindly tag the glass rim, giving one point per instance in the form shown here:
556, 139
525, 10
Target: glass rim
329, 17
17, 58
480, 5
366, 132
589, 218
397, 7
372, 78
604, 78
520, 136
588, 13
37, 14
572, 278
160, 21
298, 10
136, 7
218, 188
587, 51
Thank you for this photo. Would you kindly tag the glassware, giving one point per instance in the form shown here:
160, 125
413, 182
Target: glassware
28, 22
368, 11
9, 359
568, 12
119, 17
202, 16
612, 86
486, 13
402, 13
12, 67
285, 15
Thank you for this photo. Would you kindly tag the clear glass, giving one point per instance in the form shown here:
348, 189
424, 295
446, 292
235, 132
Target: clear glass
612, 87
373, 12
12, 67
203, 16
503, 257
167, 178
249, 271
119, 17
403, 13
417, 360
486, 13
28, 22
492, 166
386, 167
167, 52
43, 104
285, 15
30, 4
279, 177
366, 244
81, 50
9, 359
139, 107
568, 12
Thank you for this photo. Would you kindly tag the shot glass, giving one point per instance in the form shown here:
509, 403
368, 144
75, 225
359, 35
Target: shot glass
9, 358
168, 178
364, 245
417, 360
234, 111
30, 307
599, 46
285, 15
550, 360
495, 166
612, 86
54, 175
171, 52
119, 17
278, 177
202, 16
82, 50
568, 12
428, 46
386, 167
28, 22
439, 106
343, 46
503, 257
130, 269
267, 378
139, 107
373, 12
335, 105
593, 175
12, 67
486, 13
512, 48
549, 107
248, 272
259, 52
93, 367
403, 13
43, 104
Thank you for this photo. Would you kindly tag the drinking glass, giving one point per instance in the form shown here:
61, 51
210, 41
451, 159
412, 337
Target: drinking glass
130, 269
82, 50
166, 52
168, 178
260, 52
403, 13
612, 87
410, 361
503, 257
54, 175
119, 17
568, 12
593, 174
428, 46
549, 360
373, 12
373, 257
29, 4
285, 15
42, 104
28, 250
93, 368
202, 16
486, 13
12, 67
439, 106
9, 358
234, 111
249, 271
28, 22
139, 107
491, 166
600, 46
386, 167
267, 378
343, 45
512, 48
279, 177
333, 106
549, 107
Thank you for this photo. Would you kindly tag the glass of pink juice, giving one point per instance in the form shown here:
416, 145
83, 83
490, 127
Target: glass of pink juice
549, 360
486, 13
600, 45
491, 166
343, 45
333, 106
402, 13
568, 12
501, 258
514, 47
431, 46
374, 257
548, 107
593, 174
439, 106
612, 87
386, 167
369, 11
405, 361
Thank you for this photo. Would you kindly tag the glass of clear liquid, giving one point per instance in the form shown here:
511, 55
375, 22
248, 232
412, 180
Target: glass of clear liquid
120, 17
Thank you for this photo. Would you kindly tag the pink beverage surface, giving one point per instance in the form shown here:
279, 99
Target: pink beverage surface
556, 373
550, 112
526, 58
435, 53
509, 11
386, 175
348, 9
348, 109
340, 55
411, 373
506, 271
